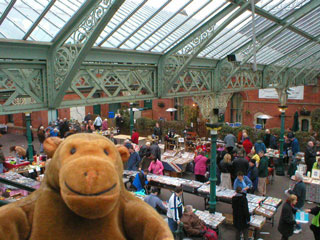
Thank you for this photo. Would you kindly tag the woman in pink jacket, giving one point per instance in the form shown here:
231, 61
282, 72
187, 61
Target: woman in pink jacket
156, 167
200, 167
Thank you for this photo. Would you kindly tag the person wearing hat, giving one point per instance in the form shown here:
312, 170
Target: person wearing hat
253, 174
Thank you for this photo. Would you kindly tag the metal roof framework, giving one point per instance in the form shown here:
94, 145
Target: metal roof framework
127, 50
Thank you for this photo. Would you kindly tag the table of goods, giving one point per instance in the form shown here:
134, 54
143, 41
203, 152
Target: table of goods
13, 192
312, 188
176, 161
272, 153
214, 220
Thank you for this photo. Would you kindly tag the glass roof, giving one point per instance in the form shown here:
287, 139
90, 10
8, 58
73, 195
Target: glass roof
159, 25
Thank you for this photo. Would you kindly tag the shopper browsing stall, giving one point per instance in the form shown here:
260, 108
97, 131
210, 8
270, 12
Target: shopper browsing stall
156, 167
315, 224
253, 174
154, 201
195, 227
243, 182
287, 219
200, 167
175, 209
262, 173
299, 190
226, 170
241, 216
134, 159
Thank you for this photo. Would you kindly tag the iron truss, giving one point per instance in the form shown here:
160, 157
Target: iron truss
109, 51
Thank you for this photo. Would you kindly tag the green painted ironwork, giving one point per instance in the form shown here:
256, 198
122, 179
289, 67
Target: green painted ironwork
268, 35
69, 65
71, 48
28, 129
179, 57
279, 165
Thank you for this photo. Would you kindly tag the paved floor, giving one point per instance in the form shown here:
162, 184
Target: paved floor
226, 232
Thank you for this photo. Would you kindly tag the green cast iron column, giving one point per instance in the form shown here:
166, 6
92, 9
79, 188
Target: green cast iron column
213, 170
131, 118
279, 167
30, 149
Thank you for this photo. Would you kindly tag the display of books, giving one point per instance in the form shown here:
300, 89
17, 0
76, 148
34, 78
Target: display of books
19, 179
193, 184
252, 207
205, 188
269, 207
213, 220
172, 181
264, 212
226, 193
169, 153
275, 202
302, 217
257, 221
315, 181
254, 198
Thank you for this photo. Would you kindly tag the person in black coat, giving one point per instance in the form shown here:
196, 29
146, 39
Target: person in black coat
287, 218
241, 216
310, 156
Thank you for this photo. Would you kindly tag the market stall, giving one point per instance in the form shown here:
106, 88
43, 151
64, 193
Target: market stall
176, 161
312, 188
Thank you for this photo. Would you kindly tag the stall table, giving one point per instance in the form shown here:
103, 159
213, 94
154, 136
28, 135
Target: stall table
312, 189
9, 166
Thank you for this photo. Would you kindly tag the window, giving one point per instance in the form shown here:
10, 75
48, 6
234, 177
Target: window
305, 125
147, 104
10, 118
236, 108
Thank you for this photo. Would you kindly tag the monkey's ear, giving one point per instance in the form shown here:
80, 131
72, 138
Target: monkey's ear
124, 153
50, 145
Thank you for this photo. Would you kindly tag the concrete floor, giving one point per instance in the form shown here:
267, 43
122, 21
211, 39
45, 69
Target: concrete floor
226, 231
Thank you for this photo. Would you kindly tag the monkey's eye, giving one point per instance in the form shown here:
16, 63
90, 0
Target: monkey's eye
106, 152
73, 150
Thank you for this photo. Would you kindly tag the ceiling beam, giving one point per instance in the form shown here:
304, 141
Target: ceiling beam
196, 49
282, 22
291, 19
6, 12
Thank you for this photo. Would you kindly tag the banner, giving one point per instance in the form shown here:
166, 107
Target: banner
296, 93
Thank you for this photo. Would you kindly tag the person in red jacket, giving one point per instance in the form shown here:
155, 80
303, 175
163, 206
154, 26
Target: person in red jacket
247, 144
135, 136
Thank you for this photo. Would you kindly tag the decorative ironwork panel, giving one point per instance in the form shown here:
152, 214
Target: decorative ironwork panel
192, 81
68, 50
243, 79
113, 83
208, 102
23, 86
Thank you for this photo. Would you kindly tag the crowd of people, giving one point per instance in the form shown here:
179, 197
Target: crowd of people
241, 165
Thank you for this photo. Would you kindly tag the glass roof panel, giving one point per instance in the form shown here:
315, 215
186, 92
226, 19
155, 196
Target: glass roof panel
285, 7
159, 25
189, 23
310, 23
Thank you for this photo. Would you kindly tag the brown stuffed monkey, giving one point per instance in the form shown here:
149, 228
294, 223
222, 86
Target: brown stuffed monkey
82, 197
